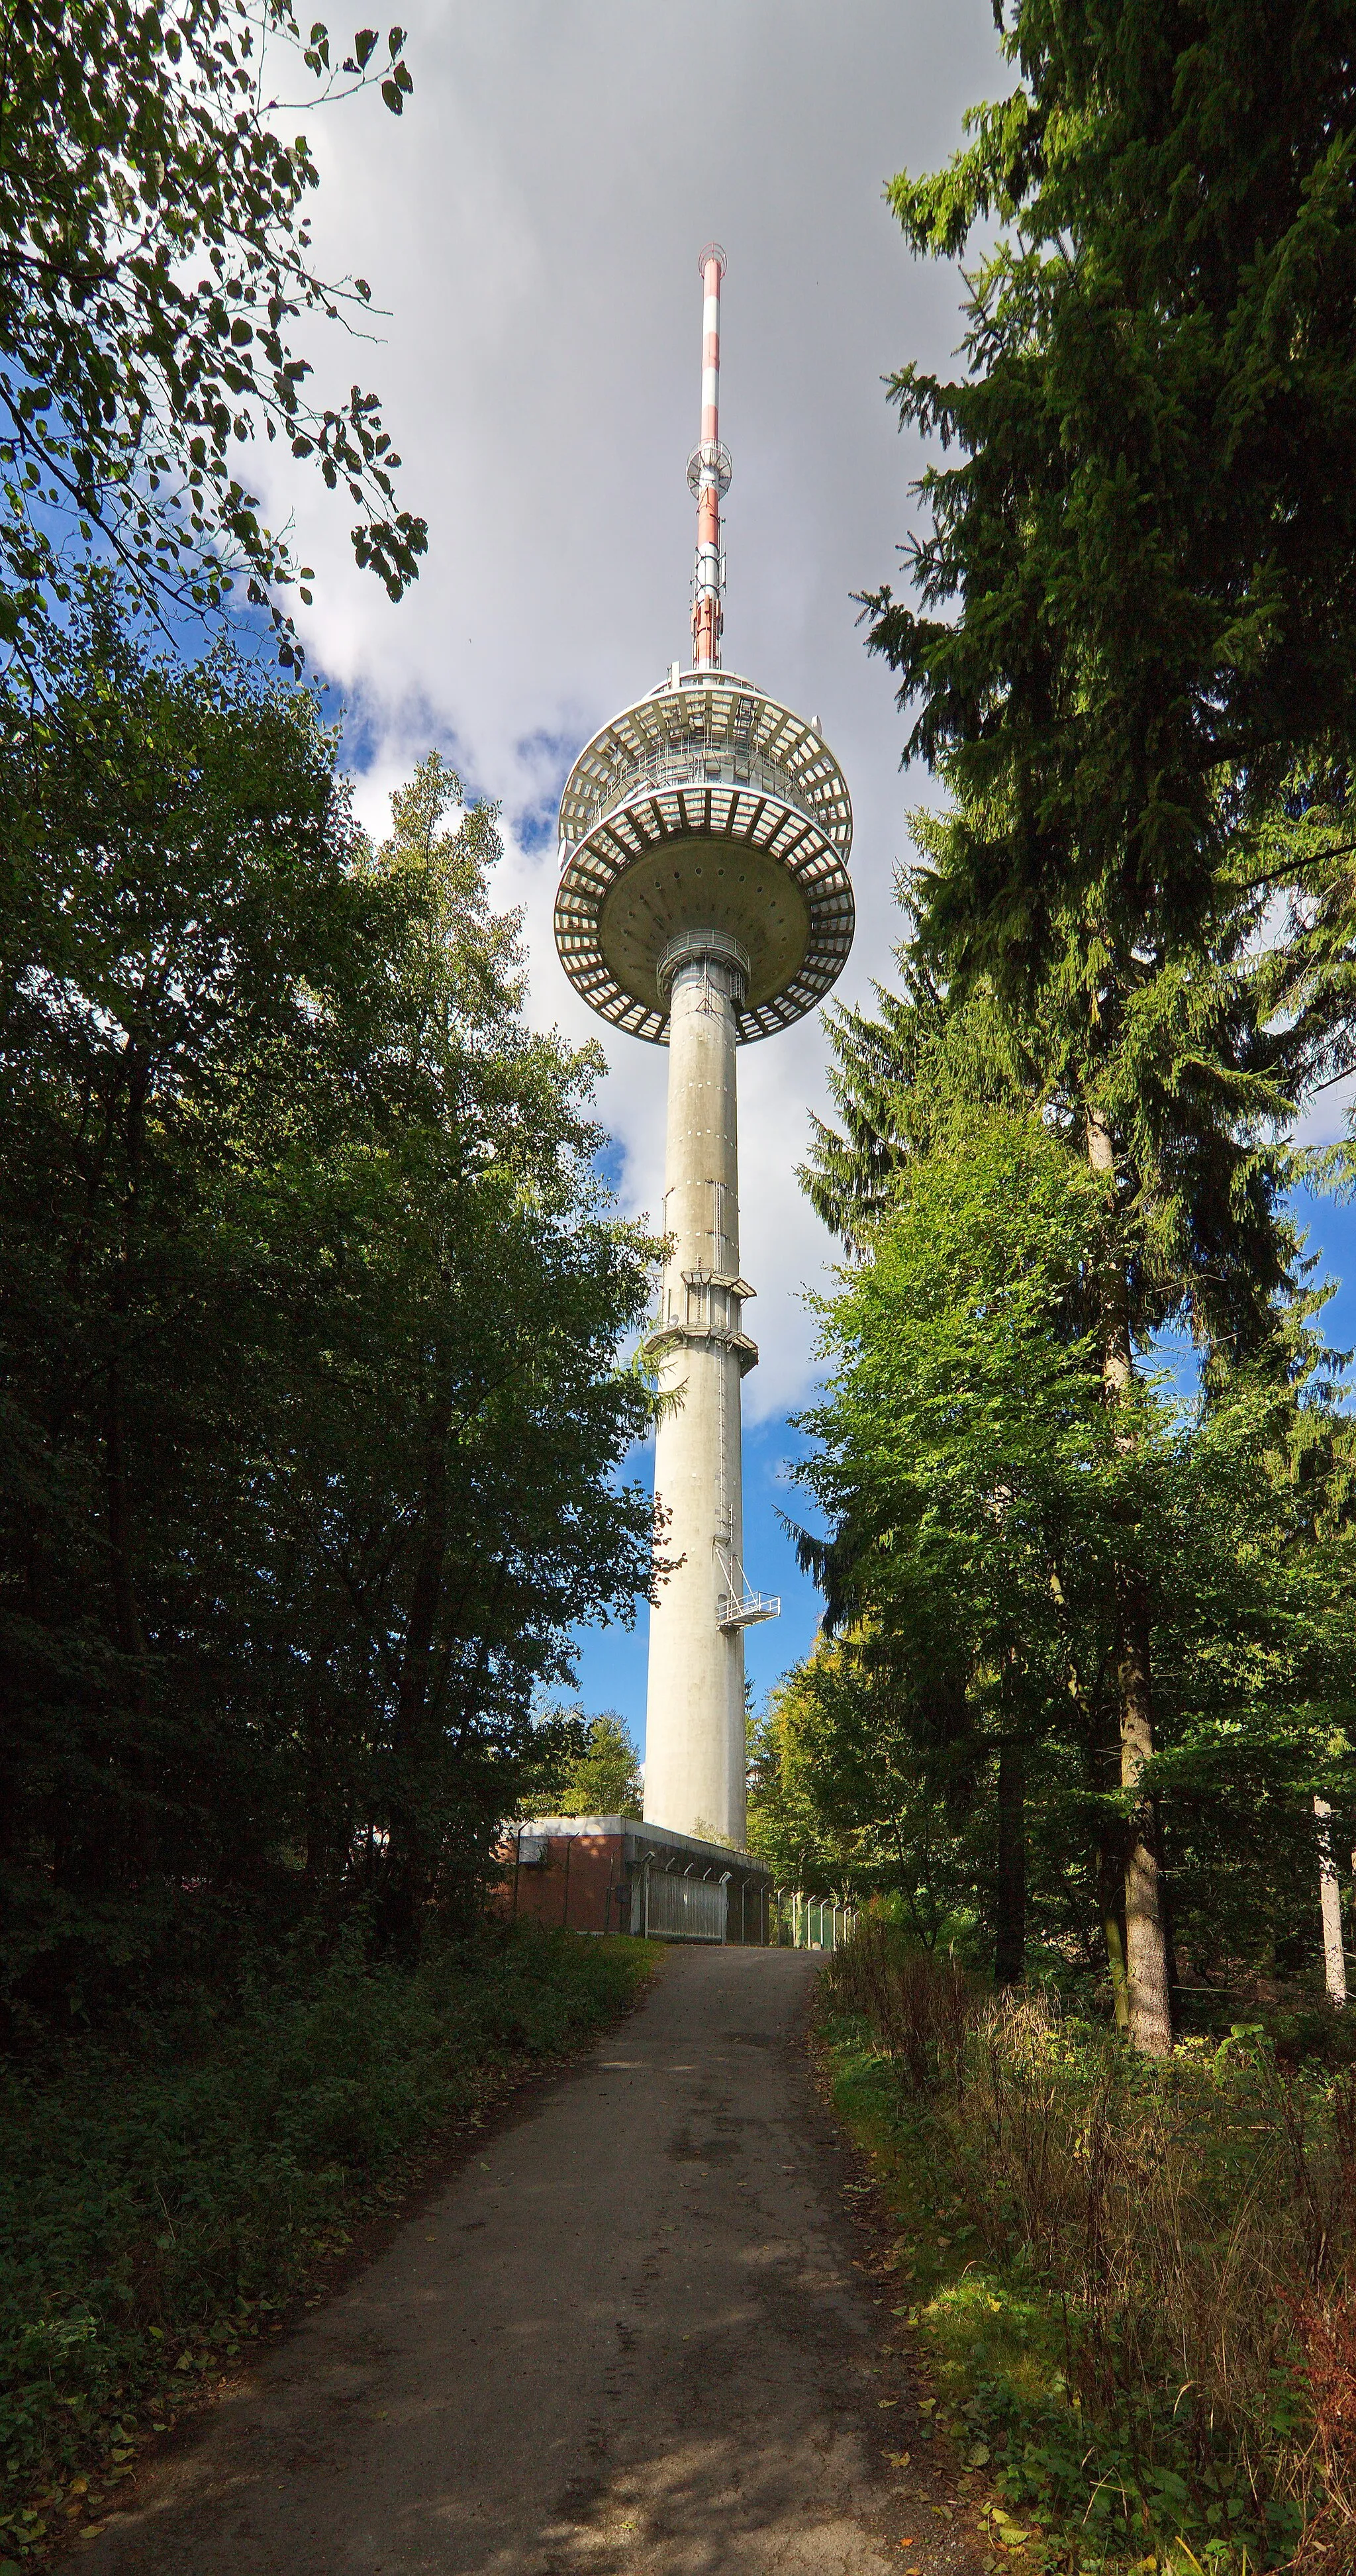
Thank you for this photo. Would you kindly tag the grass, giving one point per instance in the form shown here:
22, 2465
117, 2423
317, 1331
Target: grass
1132, 2285
161, 2206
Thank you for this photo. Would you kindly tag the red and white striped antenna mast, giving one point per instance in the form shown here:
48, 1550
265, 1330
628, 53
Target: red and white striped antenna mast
708, 476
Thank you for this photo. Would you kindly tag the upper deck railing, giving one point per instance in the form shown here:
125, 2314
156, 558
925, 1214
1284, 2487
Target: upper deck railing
709, 729
695, 765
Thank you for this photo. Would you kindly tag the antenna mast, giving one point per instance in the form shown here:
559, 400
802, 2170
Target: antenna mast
708, 476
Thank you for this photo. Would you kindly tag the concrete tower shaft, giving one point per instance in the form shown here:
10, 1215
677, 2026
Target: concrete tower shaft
694, 1769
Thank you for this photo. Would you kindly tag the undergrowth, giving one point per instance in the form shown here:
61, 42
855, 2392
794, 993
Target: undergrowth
160, 2208
1133, 2282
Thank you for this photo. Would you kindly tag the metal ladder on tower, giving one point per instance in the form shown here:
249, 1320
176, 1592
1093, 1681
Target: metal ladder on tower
736, 1606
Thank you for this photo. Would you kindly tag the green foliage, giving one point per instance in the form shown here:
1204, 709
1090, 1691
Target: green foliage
1190, 1064
902, 1078
166, 2194
1118, 2278
975, 1496
790, 1795
1002, 1408
1145, 526
1106, 632
601, 1778
858, 1787
963, 1403
157, 260
311, 1307
979, 1495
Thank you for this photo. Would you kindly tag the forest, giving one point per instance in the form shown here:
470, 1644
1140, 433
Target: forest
315, 1408
1081, 1466
311, 1403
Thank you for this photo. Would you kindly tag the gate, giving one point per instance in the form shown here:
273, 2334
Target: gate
685, 1909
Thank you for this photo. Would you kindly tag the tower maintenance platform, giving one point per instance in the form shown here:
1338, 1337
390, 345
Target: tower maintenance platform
703, 902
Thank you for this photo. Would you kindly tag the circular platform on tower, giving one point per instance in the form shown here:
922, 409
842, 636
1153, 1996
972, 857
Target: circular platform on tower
707, 806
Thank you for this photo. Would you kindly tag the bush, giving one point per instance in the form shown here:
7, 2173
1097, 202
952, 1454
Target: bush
921, 2008
1152, 2324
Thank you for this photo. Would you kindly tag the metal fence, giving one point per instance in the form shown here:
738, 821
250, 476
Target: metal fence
678, 1908
811, 1922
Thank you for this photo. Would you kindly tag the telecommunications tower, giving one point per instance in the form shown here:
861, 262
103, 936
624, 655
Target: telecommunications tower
703, 901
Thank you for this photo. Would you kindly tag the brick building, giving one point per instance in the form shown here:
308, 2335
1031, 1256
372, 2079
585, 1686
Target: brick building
615, 1874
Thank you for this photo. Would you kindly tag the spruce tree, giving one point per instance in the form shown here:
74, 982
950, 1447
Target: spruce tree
1130, 649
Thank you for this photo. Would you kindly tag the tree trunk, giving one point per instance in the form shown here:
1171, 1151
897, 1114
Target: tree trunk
1330, 1902
128, 1630
1009, 1958
409, 1854
1147, 1969
1111, 1896
327, 1804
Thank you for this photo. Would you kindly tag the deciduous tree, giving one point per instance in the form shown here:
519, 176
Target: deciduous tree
155, 263
310, 1319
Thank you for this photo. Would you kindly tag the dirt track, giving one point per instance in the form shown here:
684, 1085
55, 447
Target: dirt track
627, 2336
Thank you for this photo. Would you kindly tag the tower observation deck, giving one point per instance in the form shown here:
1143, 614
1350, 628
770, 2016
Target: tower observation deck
703, 902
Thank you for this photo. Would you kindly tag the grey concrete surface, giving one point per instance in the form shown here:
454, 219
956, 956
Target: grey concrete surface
696, 1762
629, 2335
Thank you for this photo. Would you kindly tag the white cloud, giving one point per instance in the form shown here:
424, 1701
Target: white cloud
534, 222
1327, 1118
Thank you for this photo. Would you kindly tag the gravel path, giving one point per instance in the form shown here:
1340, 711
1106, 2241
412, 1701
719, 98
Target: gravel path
629, 2335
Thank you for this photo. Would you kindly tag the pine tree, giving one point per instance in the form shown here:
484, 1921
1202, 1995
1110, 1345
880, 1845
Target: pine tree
1131, 651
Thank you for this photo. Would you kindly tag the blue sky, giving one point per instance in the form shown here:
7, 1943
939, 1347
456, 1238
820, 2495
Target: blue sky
1332, 1235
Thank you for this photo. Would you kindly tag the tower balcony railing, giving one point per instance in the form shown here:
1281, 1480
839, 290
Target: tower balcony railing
738, 1606
697, 765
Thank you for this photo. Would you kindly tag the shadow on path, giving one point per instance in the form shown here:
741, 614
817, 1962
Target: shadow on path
628, 2336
